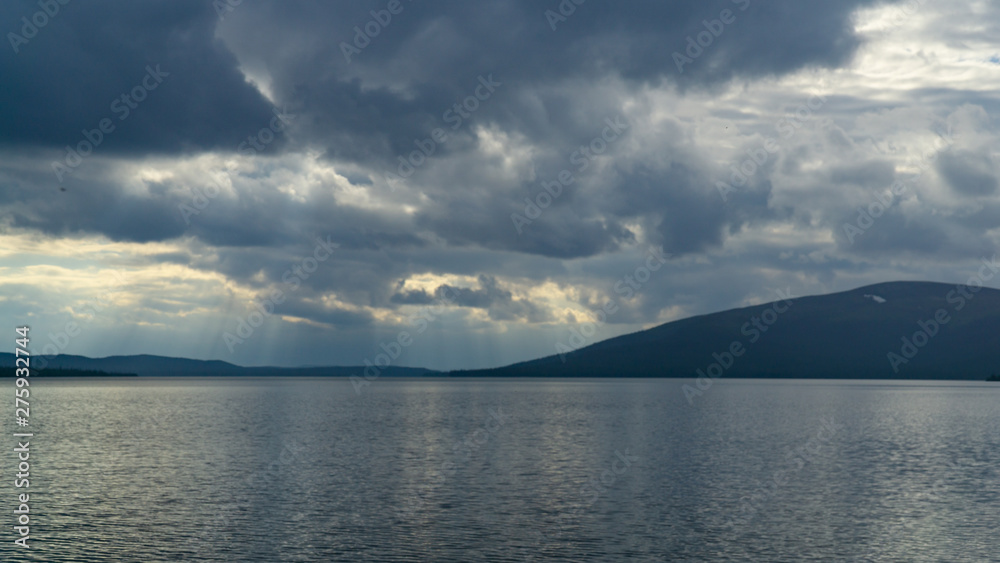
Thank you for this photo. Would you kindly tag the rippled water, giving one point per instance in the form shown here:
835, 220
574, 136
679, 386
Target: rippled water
508, 470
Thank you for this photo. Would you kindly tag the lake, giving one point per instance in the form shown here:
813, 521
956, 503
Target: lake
270, 469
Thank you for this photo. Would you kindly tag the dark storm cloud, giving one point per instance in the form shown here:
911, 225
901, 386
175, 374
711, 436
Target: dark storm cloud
482, 298
969, 173
406, 81
414, 297
397, 90
337, 317
895, 234
923, 234
678, 204
560, 233
552, 91
87, 207
254, 215
684, 212
431, 55
75, 71
498, 301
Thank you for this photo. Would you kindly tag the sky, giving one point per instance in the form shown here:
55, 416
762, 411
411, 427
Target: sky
470, 184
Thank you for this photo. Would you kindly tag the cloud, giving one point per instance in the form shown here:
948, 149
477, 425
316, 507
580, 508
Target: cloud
170, 192
969, 173
75, 72
490, 296
430, 56
413, 297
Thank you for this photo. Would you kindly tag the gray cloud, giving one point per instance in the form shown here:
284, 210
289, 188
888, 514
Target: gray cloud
969, 173
74, 72
656, 185
430, 56
490, 296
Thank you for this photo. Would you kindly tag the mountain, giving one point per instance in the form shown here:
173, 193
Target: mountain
895, 330
147, 365
58, 372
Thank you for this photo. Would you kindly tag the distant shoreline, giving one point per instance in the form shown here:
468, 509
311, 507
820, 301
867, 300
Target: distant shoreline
89, 374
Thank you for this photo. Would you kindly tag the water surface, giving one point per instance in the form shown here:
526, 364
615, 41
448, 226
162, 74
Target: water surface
268, 469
